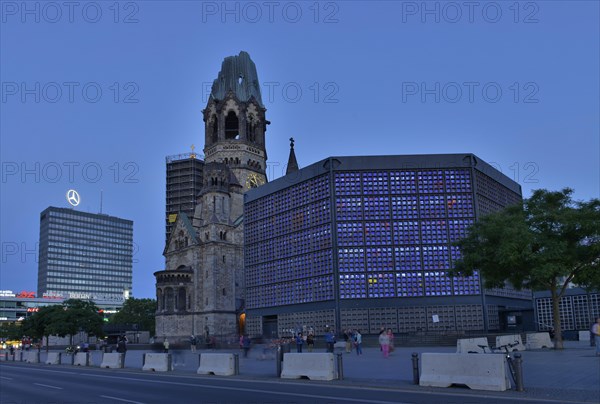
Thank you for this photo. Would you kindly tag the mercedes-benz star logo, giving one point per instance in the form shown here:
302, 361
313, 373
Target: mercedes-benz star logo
73, 197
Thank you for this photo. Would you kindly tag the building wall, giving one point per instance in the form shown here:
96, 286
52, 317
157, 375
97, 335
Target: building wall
578, 310
374, 235
85, 255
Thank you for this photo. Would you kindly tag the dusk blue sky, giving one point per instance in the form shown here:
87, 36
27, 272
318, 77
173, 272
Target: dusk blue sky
361, 68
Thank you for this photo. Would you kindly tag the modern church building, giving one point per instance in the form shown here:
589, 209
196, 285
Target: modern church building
84, 255
364, 242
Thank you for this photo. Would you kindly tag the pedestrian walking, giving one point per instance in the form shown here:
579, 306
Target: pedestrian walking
348, 339
299, 342
193, 342
384, 342
358, 342
330, 340
596, 331
166, 345
310, 341
246, 342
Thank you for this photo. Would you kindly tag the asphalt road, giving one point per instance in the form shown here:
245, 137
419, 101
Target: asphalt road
28, 384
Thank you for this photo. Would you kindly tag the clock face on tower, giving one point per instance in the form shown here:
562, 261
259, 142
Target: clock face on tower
254, 180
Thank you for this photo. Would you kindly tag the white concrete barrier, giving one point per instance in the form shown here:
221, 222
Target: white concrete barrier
510, 339
53, 358
157, 362
476, 371
32, 357
217, 364
339, 345
113, 360
538, 340
584, 335
82, 359
315, 366
467, 345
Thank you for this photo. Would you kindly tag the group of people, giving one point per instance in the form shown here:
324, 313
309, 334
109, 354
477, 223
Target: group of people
353, 338
309, 340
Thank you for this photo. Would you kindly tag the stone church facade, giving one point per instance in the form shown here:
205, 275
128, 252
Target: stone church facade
201, 290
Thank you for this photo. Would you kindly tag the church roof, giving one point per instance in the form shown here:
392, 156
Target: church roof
185, 221
238, 74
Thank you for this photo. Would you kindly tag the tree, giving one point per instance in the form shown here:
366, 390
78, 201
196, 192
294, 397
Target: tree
137, 311
546, 243
42, 323
10, 331
78, 315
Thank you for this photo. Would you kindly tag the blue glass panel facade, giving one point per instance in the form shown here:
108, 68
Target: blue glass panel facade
393, 234
288, 255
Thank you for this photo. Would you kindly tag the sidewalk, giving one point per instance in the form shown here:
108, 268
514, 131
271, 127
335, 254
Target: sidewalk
572, 374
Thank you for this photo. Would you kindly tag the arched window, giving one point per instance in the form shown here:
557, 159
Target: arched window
170, 300
181, 302
215, 129
250, 131
231, 126
159, 300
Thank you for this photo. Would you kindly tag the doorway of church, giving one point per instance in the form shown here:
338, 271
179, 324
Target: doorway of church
270, 327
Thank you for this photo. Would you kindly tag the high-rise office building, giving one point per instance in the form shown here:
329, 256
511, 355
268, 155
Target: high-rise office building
184, 182
365, 242
84, 255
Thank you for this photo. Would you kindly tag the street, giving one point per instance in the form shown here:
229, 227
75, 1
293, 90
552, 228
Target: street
28, 384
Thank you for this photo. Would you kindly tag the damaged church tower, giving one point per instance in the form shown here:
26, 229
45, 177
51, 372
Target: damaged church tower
201, 291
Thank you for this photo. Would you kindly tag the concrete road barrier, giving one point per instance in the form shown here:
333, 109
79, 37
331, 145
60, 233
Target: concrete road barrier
584, 335
510, 339
112, 360
53, 358
157, 362
538, 340
467, 345
315, 366
82, 359
478, 372
217, 364
32, 357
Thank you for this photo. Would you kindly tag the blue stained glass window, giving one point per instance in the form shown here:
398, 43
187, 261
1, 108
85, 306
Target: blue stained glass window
435, 257
458, 181
375, 183
378, 233
405, 207
352, 286
459, 205
377, 208
350, 234
406, 232
347, 183
432, 206
458, 228
430, 181
409, 284
351, 259
454, 253
349, 208
468, 285
380, 259
403, 182
437, 284
381, 285
434, 232
408, 258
